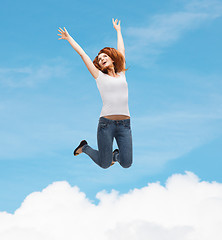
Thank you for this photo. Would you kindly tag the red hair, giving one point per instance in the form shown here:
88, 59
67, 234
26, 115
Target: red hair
115, 55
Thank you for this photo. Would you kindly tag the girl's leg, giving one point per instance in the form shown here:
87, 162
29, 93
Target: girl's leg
104, 156
124, 141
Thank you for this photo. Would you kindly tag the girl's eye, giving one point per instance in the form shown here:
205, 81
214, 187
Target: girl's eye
105, 56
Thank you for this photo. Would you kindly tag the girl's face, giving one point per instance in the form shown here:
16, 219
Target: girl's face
104, 60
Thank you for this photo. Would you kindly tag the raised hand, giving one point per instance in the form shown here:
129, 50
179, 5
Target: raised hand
64, 34
115, 25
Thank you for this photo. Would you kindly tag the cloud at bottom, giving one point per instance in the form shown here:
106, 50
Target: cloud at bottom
186, 208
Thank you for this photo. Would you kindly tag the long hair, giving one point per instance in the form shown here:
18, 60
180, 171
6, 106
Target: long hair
115, 55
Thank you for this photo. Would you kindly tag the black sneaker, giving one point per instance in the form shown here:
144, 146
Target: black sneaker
83, 142
116, 150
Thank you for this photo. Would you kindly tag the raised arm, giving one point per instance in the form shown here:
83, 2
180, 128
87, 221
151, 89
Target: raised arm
88, 62
120, 43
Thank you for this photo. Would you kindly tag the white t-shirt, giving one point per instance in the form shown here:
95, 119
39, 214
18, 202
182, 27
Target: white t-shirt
114, 94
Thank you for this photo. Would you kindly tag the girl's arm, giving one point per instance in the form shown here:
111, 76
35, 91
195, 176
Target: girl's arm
120, 43
88, 62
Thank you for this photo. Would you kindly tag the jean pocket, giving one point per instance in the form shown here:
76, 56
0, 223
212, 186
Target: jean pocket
126, 125
103, 125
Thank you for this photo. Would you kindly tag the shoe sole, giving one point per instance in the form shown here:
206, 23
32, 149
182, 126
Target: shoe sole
83, 142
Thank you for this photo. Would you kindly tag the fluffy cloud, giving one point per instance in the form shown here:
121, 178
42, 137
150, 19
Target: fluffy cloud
164, 29
30, 76
185, 208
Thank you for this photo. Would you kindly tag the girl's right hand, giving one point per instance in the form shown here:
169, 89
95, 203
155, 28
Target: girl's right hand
64, 34
116, 25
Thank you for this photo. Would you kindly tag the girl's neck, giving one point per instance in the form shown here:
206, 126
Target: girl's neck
112, 73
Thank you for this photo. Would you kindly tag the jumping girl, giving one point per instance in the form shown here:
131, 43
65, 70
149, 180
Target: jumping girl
108, 69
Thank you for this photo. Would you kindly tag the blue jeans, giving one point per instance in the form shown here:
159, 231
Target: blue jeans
106, 131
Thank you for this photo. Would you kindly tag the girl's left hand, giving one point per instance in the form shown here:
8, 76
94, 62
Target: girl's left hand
64, 34
115, 25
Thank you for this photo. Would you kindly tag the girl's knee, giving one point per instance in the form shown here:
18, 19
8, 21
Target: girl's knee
126, 165
105, 166
105, 160
125, 160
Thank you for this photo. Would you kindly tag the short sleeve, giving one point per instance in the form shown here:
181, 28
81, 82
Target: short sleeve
99, 76
122, 73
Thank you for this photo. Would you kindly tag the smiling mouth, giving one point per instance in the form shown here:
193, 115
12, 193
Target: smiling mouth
104, 63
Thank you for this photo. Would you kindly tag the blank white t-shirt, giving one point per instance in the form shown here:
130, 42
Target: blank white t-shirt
114, 94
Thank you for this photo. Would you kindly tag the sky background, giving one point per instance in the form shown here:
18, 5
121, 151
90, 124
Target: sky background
49, 101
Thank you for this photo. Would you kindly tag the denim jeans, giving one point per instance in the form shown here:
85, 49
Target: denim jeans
108, 130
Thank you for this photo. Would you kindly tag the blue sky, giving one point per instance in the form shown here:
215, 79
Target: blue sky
49, 101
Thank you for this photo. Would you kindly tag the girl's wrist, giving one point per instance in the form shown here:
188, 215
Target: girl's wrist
69, 38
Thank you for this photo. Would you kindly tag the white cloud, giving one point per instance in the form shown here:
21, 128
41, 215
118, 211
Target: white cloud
185, 208
172, 134
176, 120
164, 29
30, 76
